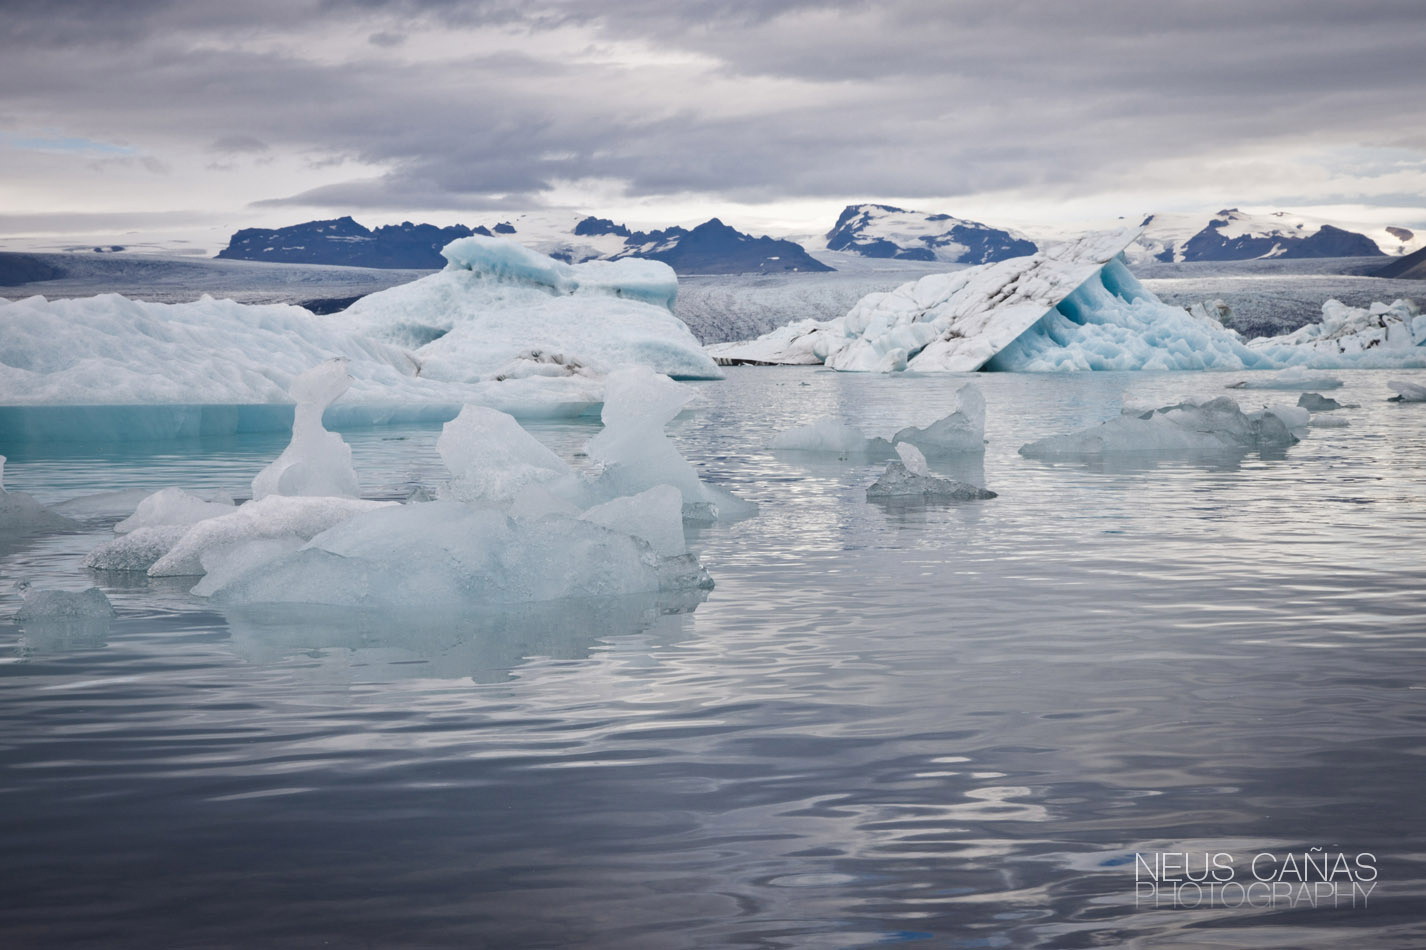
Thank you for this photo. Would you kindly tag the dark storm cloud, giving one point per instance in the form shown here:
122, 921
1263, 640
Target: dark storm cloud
905, 97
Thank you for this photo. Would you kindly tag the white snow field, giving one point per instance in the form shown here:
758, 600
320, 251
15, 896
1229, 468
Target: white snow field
516, 523
501, 326
1072, 306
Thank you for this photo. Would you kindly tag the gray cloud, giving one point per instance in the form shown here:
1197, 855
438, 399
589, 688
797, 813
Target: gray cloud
747, 100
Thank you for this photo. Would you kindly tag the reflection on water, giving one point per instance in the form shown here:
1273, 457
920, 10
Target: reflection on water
949, 725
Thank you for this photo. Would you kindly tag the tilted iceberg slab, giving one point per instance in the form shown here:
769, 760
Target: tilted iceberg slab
1072, 306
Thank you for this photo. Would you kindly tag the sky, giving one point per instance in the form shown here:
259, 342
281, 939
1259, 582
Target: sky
199, 117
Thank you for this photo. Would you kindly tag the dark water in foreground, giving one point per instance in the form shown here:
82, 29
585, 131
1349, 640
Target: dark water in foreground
945, 727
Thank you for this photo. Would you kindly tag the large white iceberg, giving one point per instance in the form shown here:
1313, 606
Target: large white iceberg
501, 326
500, 308
1071, 306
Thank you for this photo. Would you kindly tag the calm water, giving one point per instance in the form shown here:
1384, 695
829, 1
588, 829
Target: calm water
947, 726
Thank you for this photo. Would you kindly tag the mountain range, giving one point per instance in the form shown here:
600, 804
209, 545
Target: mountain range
865, 230
710, 248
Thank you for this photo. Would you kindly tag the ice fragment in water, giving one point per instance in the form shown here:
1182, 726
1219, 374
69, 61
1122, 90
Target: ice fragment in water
316, 462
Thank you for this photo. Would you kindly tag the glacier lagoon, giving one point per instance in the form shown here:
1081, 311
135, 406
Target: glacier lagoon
926, 724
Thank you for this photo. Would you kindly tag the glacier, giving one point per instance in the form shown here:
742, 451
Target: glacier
1071, 306
501, 326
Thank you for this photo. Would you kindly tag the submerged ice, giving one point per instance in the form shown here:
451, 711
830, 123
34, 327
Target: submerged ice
911, 479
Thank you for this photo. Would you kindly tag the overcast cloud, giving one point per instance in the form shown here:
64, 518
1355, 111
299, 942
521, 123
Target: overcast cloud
1004, 111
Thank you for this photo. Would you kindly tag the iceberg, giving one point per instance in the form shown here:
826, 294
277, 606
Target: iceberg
1382, 335
1191, 427
498, 303
501, 326
910, 479
507, 529
1069, 307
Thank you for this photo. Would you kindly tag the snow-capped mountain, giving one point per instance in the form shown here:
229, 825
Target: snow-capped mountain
1234, 235
710, 248
883, 231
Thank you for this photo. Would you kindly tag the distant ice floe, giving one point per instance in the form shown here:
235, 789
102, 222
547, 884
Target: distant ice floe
1072, 306
501, 326
515, 523
960, 431
1189, 428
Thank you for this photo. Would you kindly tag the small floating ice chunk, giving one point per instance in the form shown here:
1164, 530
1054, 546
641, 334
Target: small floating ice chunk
911, 480
276, 516
137, 550
1328, 422
64, 605
1316, 402
1217, 425
1406, 392
21, 514
316, 462
655, 515
173, 506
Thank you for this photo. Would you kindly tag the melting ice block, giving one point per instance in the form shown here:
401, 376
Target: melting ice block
445, 554
655, 515
137, 550
910, 479
316, 462
1213, 426
61, 605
